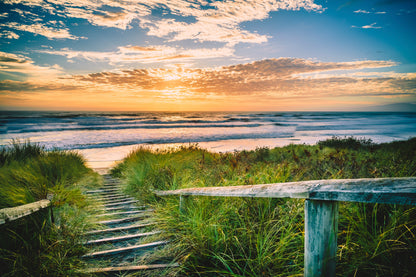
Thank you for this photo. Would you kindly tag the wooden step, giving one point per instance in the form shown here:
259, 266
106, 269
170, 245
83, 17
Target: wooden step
120, 203
111, 180
105, 187
117, 229
121, 238
108, 193
106, 202
123, 208
125, 249
128, 212
123, 220
111, 183
100, 191
130, 268
111, 197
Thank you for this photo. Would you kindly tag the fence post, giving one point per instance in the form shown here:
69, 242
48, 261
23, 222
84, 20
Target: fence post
183, 201
321, 228
49, 196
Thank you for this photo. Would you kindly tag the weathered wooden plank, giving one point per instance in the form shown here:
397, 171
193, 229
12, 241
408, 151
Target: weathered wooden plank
380, 190
124, 213
130, 268
110, 187
321, 228
110, 197
282, 190
377, 190
125, 249
101, 191
117, 229
122, 220
118, 200
125, 207
120, 203
111, 183
121, 238
10, 214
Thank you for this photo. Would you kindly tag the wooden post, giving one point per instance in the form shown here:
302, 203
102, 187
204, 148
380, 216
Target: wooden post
183, 201
50, 197
321, 228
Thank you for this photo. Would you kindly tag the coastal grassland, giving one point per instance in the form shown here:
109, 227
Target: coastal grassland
264, 237
33, 245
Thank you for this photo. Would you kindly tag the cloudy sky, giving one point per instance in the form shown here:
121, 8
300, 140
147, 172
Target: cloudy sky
206, 55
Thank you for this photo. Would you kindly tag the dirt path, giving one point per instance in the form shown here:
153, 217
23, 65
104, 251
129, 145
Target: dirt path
128, 239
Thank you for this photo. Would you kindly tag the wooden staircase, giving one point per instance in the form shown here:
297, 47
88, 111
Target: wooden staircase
126, 238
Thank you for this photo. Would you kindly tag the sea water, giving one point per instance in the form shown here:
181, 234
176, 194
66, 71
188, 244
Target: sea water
106, 137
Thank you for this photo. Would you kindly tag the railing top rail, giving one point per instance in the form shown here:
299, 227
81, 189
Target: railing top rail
368, 190
9, 214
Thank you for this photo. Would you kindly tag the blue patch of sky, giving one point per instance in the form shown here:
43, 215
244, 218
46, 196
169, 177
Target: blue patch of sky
165, 13
326, 36
329, 36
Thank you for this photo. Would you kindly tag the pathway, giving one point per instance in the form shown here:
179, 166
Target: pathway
128, 238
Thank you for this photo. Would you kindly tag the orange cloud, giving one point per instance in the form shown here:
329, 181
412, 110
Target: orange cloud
272, 77
149, 54
285, 82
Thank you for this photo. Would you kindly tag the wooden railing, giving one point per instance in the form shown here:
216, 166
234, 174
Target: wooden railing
321, 208
10, 214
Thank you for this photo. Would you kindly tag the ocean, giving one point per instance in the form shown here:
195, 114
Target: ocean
106, 137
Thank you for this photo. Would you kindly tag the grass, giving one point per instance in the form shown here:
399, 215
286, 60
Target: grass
264, 237
33, 245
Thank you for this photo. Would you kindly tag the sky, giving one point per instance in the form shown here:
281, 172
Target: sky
208, 55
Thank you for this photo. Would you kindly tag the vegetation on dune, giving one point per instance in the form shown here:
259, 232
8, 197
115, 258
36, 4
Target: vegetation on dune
33, 246
264, 237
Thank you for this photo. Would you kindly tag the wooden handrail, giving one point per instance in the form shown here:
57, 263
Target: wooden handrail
377, 190
10, 214
321, 207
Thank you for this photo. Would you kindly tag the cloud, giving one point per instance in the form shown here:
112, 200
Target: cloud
362, 11
370, 26
268, 82
140, 54
368, 12
217, 21
19, 67
41, 29
9, 35
272, 77
34, 86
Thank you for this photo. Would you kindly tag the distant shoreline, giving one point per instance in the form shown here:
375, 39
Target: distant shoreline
104, 138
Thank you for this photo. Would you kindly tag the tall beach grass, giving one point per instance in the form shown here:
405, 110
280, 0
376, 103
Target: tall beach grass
33, 245
264, 237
